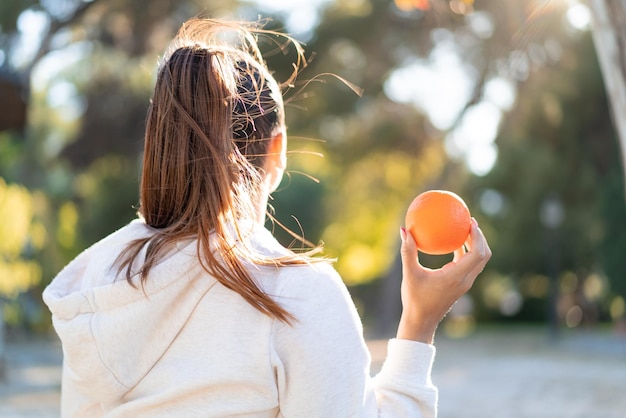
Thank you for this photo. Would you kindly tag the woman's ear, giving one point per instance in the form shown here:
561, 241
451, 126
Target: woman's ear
277, 150
276, 160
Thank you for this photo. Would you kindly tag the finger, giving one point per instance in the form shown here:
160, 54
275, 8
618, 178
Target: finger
463, 249
475, 258
459, 252
483, 262
476, 240
483, 247
408, 251
484, 257
471, 277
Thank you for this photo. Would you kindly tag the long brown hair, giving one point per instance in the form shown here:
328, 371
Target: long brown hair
214, 108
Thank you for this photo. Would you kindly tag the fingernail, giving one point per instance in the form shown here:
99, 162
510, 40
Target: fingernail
403, 234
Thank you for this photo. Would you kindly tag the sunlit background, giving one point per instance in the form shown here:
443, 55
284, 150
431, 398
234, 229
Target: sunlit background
502, 102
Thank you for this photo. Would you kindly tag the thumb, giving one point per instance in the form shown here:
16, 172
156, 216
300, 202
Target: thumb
408, 251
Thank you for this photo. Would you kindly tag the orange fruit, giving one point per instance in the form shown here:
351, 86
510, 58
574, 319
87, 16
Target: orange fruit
439, 221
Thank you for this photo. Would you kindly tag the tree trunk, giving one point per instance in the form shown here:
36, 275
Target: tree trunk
609, 37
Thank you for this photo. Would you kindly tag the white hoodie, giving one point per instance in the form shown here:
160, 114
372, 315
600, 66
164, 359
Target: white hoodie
189, 347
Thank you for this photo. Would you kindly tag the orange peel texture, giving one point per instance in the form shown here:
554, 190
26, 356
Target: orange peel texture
439, 221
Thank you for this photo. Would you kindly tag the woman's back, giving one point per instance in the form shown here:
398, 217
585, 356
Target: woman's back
190, 344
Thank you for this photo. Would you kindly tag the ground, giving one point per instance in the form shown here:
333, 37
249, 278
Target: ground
499, 373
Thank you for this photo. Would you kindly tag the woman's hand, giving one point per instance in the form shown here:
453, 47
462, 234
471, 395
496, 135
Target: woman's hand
428, 295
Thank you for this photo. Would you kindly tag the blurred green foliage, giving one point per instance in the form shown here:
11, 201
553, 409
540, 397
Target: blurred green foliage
71, 177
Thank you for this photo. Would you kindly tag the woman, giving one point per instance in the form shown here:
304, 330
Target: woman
194, 309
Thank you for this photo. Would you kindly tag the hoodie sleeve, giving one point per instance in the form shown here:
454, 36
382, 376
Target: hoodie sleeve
322, 364
404, 387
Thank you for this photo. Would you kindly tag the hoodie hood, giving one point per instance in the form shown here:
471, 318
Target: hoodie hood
113, 334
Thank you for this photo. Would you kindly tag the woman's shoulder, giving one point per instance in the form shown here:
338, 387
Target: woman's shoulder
308, 275
308, 289
109, 246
